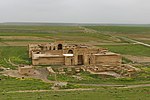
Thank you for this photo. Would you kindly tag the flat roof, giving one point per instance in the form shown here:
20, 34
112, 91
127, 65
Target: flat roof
68, 55
107, 53
35, 56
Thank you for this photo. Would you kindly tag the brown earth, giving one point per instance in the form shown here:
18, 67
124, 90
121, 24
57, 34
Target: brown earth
22, 37
40, 74
138, 59
24, 43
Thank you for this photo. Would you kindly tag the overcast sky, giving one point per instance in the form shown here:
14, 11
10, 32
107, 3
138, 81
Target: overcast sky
76, 11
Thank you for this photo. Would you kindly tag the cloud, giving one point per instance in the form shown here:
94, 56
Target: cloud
94, 11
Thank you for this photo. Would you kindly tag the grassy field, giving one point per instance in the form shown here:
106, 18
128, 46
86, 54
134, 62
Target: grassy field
121, 29
87, 78
65, 33
14, 35
131, 49
134, 32
102, 34
18, 55
15, 84
100, 94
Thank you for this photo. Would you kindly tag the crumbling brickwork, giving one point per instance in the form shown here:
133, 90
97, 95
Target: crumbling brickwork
60, 53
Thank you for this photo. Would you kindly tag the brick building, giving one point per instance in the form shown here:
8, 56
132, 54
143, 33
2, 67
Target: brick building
60, 53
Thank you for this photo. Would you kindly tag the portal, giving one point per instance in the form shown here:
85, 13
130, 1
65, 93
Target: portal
80, 60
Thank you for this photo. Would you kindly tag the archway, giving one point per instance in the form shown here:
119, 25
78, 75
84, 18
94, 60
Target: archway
59, 46
70, 52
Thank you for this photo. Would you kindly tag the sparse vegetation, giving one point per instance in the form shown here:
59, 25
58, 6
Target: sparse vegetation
23, 35
67, 33
101, 93
131, 49
16, 84
121, 29
17, 55
87, 78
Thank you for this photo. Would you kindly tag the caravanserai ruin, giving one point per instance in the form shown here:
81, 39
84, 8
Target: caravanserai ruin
75, 58
60, 53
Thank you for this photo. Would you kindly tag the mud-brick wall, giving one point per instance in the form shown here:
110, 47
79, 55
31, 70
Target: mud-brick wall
29, 71
54, 52
108, 59
49, 61
69, 61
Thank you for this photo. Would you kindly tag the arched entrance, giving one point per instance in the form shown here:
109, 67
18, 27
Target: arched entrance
59, 46
70, 52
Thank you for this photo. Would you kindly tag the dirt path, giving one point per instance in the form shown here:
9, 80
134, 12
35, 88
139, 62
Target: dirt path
105, 85
137, 42
43, 73
117, 86
81, 89
65, 90
136, 86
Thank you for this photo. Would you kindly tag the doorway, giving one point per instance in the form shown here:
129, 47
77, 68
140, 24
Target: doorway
80, 60
59, 46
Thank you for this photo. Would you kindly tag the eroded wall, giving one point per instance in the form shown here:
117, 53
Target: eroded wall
49, 61
108, 60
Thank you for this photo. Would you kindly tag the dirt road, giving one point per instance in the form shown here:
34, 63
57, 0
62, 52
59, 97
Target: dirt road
82, 89
134, 41
30, 91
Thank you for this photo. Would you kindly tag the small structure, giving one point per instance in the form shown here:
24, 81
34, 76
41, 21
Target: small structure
26, 70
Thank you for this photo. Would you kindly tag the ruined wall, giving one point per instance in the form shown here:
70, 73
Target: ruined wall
49, 61
93, 51
69, 61
26, 71
49, 47
54, 52
108, 60
33, 47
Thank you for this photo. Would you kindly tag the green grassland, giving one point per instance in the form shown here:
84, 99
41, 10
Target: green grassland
121, 29
103, 34
139, 33
65, 33
99, 94
15, 84
131, 49
17, 55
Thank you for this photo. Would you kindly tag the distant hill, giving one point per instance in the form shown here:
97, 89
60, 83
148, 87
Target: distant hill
72, 24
